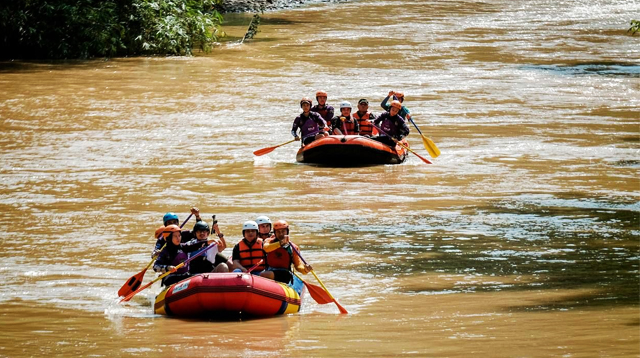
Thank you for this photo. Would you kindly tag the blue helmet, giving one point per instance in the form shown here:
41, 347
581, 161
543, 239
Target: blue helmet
169, 216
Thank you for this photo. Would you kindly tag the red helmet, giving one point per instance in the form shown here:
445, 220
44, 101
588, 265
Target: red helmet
396, 104
168, 230
280, 224
306, 100
321, 94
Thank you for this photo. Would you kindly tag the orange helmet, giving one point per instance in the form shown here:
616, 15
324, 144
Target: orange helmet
321, 94
306, 100
396, 104
168, 230
159, 231
280, 224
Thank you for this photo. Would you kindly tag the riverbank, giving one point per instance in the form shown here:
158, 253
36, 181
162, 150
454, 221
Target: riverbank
266, 5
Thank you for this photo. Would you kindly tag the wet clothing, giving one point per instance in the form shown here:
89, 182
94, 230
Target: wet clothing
309, 126
173, 256
326, 111
279, 260
249, 254
364, 122
386, 105
349, 123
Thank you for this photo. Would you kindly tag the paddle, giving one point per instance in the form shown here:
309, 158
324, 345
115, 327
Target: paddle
264, 151
330, 298
427, 161
317, 293
255, 266
429, 145
129, 296
135, 281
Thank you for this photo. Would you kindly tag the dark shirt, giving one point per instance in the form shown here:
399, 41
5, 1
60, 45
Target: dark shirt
394, 126
326, 111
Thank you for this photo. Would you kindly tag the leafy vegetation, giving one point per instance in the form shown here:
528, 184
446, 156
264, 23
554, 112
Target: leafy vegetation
88, 28
635, 27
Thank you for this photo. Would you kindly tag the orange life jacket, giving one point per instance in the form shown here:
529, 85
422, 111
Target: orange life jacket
366, 128
349, 125
280, 257
250, 256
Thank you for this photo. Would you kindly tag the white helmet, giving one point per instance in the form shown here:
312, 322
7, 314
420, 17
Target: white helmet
345, 104
262, 219
249, 225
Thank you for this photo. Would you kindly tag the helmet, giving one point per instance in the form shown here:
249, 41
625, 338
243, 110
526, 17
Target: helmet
281, 224
306, 100
159, 231
169, 216
399, 95
321, 94
263, 220
201, 226
249, 225
168, 230
363, 101
345, 104
396, 104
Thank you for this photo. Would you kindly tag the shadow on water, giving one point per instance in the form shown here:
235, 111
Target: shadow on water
608, 69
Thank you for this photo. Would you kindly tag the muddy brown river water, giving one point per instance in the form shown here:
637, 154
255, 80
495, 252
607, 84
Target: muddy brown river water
522, 240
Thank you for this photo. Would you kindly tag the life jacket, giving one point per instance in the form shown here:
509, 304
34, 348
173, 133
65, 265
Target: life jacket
280, 257
251, 255
309, 126
180, 257
323, 112
349, 125
366, 128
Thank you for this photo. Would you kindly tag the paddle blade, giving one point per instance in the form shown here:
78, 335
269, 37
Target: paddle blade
264, 151
431, 147
318, 293
322, 297
132, 284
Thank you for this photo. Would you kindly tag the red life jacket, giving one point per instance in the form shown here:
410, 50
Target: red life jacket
280, 257
349, 125
250, 256
366, 128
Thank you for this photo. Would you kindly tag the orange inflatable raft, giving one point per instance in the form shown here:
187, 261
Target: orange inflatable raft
214, 295
350, 150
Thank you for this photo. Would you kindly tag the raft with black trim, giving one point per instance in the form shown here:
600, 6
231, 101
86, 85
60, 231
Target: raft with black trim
229, 294
350, 150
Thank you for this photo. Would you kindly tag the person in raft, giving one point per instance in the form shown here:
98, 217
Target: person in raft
212, 260
264, 227
248, 252
280, 255
399, 96
344, 122
172, 219
364, 118
322, 108
393, 125
311, 124
173, 254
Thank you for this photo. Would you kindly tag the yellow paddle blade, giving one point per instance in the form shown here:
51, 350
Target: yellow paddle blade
431, 147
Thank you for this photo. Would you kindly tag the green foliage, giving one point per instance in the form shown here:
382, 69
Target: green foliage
176, 26
252, 30
88, 28
635, 27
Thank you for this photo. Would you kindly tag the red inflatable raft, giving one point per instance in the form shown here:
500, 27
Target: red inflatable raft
226, 294
350, 150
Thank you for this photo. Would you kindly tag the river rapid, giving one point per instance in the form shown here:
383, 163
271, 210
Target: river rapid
521, 240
